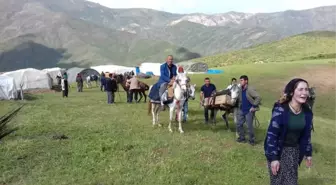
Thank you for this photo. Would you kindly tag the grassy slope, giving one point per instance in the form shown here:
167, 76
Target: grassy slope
117, 144
291, 48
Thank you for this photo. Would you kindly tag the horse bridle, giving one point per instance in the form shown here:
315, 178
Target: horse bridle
185, 92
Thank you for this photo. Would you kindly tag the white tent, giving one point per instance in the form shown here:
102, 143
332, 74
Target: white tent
30, 78
113, 69
53, 72
150, 67
7, 88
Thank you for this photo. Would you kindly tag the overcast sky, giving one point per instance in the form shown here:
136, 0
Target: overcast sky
216, 6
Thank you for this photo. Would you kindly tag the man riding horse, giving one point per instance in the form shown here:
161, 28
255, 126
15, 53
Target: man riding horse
168, 72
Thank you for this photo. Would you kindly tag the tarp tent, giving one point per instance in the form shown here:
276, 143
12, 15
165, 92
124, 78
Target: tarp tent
72, 73
8, 89
198, 67
113, 69
151, 67
30, 78
53, 72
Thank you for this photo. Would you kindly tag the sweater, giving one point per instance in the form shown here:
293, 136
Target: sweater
277, 132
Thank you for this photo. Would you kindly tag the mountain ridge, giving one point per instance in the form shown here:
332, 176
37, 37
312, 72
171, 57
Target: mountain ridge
90, 34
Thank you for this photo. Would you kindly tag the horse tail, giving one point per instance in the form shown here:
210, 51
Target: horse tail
149, 107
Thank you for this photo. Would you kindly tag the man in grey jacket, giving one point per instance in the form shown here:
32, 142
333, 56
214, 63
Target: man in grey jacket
249, 101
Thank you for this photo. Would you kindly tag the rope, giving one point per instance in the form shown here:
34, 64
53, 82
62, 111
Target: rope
256, 121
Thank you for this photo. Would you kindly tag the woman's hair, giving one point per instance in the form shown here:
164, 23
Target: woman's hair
289, 90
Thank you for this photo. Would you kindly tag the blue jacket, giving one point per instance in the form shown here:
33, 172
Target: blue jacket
277, 131
165, 73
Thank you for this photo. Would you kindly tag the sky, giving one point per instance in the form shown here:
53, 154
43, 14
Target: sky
217, 6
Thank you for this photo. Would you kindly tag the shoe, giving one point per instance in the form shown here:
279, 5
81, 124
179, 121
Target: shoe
240, 140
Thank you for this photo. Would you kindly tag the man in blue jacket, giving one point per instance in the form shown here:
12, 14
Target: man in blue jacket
168, 72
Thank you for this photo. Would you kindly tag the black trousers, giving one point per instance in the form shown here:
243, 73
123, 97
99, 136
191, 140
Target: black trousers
206, 114
131, 94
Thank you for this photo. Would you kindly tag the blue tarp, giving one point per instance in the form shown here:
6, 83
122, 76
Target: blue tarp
215, 71
150, 73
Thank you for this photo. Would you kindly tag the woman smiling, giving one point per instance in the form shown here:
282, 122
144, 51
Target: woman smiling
288, 137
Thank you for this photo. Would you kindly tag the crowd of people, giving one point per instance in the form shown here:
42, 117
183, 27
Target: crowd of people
288, 137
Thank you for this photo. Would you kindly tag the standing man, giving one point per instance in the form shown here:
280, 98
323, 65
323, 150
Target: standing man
249, 101
134, 88
233, 82
65, 86
111, 88
206, 90
102, 81
79, 81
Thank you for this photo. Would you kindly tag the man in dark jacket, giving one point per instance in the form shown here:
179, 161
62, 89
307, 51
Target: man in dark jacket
249, 102
111, 88
79, 81
102, 81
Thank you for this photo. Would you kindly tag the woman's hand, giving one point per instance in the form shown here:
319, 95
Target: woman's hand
275, 166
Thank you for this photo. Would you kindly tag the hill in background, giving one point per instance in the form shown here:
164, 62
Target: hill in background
45, 33
311, 45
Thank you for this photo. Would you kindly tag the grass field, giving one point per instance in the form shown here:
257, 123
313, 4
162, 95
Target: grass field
116, 144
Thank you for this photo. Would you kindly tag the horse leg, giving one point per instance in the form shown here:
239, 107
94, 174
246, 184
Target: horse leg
214, 116
154, 114
171, 113
144, 93
225, 119
180, 120
157, 115
235, 119
140, 94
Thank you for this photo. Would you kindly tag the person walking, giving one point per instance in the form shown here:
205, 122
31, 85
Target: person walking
111, 88
102, 81
288, 138
79, 81
249, 101
65, 87
206, 91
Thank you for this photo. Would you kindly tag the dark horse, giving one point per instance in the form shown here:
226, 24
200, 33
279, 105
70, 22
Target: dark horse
121, 79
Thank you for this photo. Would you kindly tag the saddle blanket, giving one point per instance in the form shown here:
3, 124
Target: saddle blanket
154, 94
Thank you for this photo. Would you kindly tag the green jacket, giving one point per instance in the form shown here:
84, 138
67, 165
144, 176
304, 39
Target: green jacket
252, 96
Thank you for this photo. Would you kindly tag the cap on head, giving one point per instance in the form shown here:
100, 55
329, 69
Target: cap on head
180, 69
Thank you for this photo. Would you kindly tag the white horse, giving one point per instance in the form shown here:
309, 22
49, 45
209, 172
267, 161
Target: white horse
232, 108
182, 91
91, 78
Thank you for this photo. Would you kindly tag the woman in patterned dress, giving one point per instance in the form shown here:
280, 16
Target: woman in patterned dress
288, 139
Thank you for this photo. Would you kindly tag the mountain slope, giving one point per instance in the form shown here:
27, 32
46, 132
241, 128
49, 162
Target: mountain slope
213, 33
45, 33
303, 46
33, 36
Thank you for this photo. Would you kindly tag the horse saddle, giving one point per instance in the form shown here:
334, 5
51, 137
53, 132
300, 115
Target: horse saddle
170, 91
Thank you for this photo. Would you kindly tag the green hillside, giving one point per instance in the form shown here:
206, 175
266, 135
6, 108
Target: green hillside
311, 45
